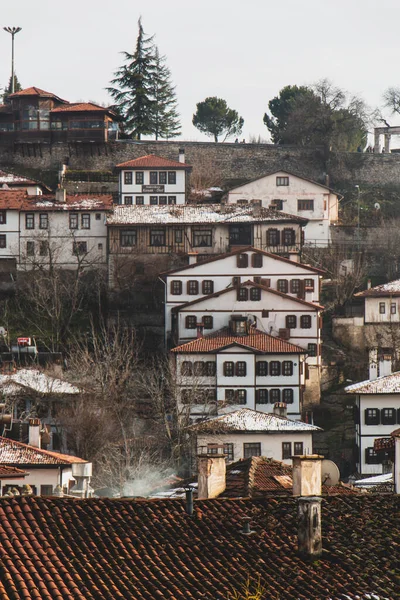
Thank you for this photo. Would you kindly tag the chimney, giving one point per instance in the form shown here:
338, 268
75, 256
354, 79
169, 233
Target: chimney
181, 155
82, 473
211, 476
189, 500
307, 485
34, 433
280, 409
200, 327
256, 210
368, 284
192, 258
327, 180
61, 195
373, 363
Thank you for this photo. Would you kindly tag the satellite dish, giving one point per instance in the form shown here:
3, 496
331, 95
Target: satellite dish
377, 206
330, 473
271, 326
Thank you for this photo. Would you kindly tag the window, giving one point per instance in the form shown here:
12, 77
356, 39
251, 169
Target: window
273, 237
372, 416
207, 287
202, 238
280, 181
153, 200
208, 322
382, 308
73, 221
255, 294
139, 200
157, 237
171, 199
274, 368
305, 204
210, 368
162, 177
192, 287
298, 448
128, 177
371, 457
262, 396
286, 450
176, 287
171, 177
312, 349
3, 217
287, 368
153, 177
29, 221
98, 216
187, 368
99, 246
127, 238
388, 416
79, 248
228, 450
30, 248
242, 261
230, 396
288, 237
305, 321
43, 221
139, 177
291, 321
282, 286
191, 322
257, 260
178, 236
85, 221
295, 286
229, 368
128, 200
309, 284
198, 368
46, 490
162, 200
3, 241
393, 308
241, 396
262, 368
251, 449
242, 294
241, 368
277, 204
287, 396
44, 248
274, 396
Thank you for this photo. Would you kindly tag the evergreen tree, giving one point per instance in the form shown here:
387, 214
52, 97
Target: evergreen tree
165, 117
214, 117
7, 90
131, 86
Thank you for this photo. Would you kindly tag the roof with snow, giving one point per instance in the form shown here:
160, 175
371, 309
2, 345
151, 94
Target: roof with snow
246, 419
34, 380
392, 288
16, 453
19, 199
388, 384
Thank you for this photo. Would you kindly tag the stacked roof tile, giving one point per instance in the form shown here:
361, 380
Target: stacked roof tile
66, 549
11, 472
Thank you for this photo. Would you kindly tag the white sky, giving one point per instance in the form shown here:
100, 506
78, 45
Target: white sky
244, 52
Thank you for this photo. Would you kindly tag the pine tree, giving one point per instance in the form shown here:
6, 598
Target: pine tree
165, 117
7, 90
131, 86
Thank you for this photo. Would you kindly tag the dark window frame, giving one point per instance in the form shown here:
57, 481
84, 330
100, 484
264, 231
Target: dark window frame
241, 368
139, 177
171, 177
282, 181
255, 294
158, 233
153, 177
207, 287
85, 221
262, 368
128, 178
127, 238
176, 287
262, 396
287, 368
282, 285
291, 322
201, 238
305, 205
208, 322
286, 450
229, 368
190, 322
372, 416
274, 368
192, 287
305, 322
273, 237
79, 247
3, 240
29, 220
298, 448
287, 396
3, 217
251, 449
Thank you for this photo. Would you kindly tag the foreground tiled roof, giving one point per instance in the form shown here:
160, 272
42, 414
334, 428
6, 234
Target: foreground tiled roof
246, 419
11, 472
67, 549
16, 453
197, 214
387, 289
255, 340
152, 161
388, 384
35, 91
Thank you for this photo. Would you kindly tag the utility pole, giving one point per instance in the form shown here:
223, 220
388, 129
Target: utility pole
358, 216
13, 31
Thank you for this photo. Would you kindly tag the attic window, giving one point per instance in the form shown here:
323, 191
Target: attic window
282, 181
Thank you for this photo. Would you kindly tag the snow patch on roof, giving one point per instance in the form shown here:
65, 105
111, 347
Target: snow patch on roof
387, 384
36, 381
246, 419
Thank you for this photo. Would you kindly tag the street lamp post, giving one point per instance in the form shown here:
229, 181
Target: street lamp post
13, 31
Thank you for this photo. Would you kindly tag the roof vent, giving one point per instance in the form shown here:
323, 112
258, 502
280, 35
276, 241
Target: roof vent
247, 526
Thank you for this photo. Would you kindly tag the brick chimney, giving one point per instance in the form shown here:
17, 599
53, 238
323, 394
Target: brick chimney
211, 475
307, 485
34, 433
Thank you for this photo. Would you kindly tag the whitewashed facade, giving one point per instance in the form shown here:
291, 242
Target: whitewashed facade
297, 196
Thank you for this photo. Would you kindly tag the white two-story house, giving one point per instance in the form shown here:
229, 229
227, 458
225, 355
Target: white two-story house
294, 195
239, 365
153, 180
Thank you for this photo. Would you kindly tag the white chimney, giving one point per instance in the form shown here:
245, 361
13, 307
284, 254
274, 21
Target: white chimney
373, 363
82, 473
307, 485
182, 155
307, 475
61, 195
211, 476
34, 433
280, 409
368, 284
192, 258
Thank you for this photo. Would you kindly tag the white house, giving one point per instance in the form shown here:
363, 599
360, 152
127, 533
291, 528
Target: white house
153, 180
245, 433
377, 414
13, 181
294, 195
239, 365
381, 303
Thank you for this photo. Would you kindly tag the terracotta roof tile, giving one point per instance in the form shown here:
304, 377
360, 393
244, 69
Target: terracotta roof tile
35, 91
17, 453
80, 107
66, 549
384, 443
19, 199
152, 161
11, 472
255, 340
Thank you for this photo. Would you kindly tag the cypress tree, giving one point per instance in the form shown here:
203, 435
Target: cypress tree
165, 116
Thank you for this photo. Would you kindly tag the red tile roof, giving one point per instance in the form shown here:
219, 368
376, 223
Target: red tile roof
35, 91
152, 161
11, 472
81, 107
254, 340
67, 549
19, 199
16, 453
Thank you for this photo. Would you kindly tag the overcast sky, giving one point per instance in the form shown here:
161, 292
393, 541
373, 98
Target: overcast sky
244, 52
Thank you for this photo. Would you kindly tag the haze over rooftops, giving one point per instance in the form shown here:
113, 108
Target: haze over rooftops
246, 419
